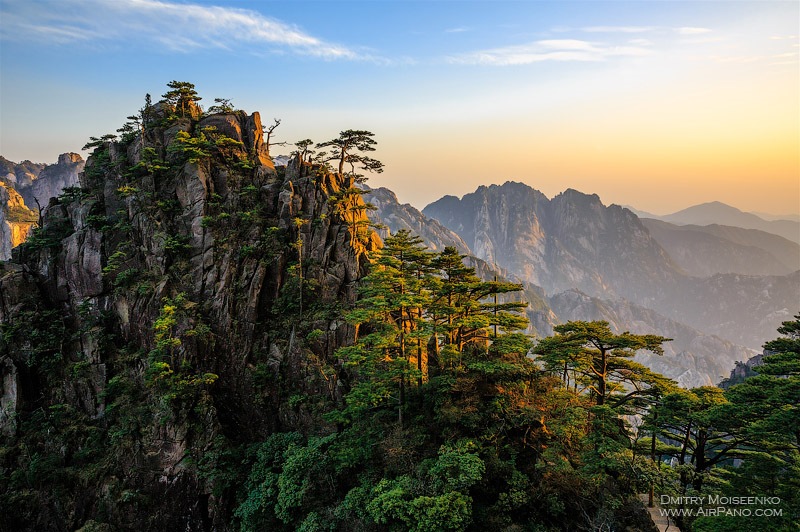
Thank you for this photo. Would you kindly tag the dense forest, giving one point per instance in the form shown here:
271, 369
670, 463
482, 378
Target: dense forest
198, 339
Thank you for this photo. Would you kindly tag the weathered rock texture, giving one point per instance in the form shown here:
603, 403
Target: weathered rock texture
573, 241
168, 304
40, 182
394, 216
16, 220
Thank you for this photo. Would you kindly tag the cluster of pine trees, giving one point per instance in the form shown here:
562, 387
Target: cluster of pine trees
454, 420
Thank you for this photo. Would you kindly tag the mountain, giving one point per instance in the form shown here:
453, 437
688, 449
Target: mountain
396, 216
571, 241
20, 174
157, 317
53, 179
692, 358
703, 251
741, 308
770, 217
40, 182
16, 219
393, 216
575, 242
719, 213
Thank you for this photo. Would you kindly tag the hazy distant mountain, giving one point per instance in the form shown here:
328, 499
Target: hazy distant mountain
691, 358
571, 241
20, 175
719, 213
40, 182
575, 242
769, 217
745, 309
703, 251
396, 217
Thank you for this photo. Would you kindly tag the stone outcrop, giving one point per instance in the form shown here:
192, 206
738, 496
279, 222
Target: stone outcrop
53, 179
394, 216
16, 220
571, 241
20, 174
238, 250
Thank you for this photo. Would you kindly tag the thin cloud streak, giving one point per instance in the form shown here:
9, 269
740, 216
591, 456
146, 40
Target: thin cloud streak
547, 50
692, 31
178, 27
618, 29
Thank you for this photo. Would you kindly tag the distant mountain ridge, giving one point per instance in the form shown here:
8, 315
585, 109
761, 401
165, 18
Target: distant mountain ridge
716, 212
26, 183
575, 242
571, 241
694, 358
703, 251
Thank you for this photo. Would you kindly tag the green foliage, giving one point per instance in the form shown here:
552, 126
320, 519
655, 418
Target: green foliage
182, 95
169, 373
193, 149
38, 337
589, 355
349, 149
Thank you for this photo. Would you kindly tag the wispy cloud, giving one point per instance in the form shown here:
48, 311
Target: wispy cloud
547, 50
618, 29
460, 29
692, 31
176, 26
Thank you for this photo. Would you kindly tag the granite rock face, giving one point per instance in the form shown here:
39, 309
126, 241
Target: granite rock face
51, 180
230, 247
573, 241
16, 220
396, 216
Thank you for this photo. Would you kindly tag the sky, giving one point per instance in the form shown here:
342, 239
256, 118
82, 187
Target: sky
655, 104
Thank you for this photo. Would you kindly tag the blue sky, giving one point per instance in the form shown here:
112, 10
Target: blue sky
655, 104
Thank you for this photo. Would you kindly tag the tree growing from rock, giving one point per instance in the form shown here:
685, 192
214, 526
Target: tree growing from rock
350, 148
182, 95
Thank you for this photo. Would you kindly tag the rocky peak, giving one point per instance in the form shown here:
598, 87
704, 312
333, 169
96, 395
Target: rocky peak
571, 241
194, 225
395, 216
69, 158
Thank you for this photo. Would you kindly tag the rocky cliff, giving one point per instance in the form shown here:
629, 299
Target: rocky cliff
175, 305
573, 241
40, 182
16, 219
394, 216
20, 174
53, 179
